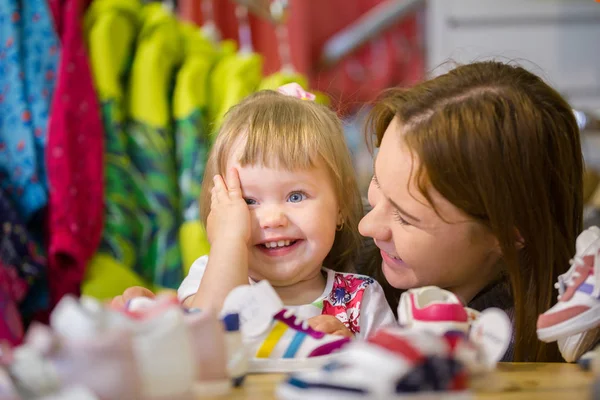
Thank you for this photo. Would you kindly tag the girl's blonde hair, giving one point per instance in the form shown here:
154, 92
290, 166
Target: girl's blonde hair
279, 131
503, 146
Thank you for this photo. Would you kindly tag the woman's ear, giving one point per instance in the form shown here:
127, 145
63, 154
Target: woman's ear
519, 242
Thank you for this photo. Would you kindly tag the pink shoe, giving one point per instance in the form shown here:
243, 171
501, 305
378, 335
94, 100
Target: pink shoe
433, 309
439, 311
578, 307
47, 363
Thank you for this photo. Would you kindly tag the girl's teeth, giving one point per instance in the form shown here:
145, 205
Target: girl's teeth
281, 243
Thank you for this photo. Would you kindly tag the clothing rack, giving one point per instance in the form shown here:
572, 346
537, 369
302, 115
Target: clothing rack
377, 20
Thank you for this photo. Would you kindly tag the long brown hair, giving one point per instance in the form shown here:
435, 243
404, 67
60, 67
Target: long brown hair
504, 147
289, 133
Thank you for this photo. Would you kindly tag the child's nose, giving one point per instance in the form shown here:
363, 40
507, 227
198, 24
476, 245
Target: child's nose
272, 217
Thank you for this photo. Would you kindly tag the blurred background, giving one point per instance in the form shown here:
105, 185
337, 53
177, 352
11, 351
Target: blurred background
108, 109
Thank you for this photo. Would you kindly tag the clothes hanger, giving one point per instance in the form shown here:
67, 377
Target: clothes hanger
244, 31
209, 27
278, 11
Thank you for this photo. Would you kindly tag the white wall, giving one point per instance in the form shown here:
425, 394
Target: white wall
557, 39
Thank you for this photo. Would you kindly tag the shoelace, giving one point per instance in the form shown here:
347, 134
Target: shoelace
302, 325
566, 280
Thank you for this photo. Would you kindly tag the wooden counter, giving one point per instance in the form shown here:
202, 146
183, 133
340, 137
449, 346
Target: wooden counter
515, 381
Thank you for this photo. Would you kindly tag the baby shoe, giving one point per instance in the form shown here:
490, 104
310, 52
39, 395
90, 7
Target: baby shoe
207, 336
393, 363
433, 309
160, 341
436, 310
48, 363
276, 339
578, 307
7, 389
573, 347
236, 357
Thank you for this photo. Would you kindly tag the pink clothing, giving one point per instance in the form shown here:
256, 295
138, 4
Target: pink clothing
74, 155
345, 299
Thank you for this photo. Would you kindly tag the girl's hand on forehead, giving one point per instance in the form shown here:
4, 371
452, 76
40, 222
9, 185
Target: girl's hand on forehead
229, 217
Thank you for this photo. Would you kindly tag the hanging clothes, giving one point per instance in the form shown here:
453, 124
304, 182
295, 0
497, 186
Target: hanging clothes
22, 273
111, 28
192, 139
234, 77
29, 49
74, 154
151, 144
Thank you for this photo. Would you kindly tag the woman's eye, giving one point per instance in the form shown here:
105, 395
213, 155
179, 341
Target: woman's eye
250, 202
296, 197
398, 217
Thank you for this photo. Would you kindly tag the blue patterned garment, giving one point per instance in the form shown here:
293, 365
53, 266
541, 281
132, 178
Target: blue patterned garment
29, 55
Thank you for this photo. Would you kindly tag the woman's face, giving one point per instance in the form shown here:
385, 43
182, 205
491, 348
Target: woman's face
418, 247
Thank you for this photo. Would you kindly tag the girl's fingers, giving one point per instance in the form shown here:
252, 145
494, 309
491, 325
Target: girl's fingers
219, 191
233, 183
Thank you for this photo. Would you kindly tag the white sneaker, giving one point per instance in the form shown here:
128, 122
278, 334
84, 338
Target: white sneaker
492, 333
48, 363
573, 347
7, 389
276, 339
161, 343
236, 357
578, 307
393, 363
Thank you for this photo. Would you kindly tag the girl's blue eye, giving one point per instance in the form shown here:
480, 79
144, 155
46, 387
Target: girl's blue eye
296, 197
250, 202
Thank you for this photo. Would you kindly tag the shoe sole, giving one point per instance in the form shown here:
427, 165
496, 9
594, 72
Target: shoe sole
572, 348
583, 322
289, 392
283, 365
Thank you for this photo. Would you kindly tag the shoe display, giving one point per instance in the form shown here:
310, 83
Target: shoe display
394, 363
578, 306
48, 363
160, 341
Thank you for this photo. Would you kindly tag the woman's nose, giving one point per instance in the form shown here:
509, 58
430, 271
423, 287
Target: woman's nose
375, 225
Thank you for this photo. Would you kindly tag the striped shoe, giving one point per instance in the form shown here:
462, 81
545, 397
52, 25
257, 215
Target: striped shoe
276, 339
289, 344
578, 307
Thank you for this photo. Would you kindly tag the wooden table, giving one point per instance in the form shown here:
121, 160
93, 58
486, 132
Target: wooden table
515, 381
